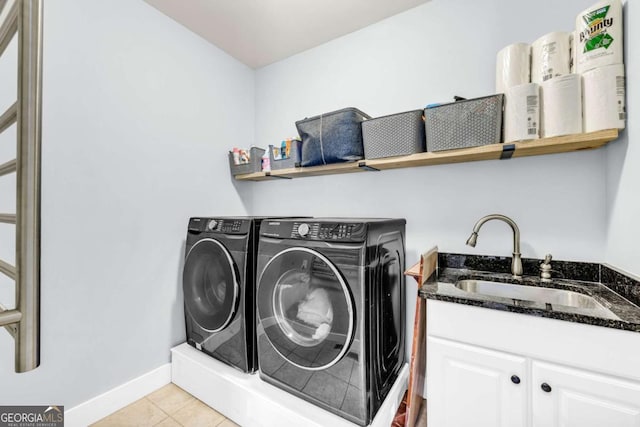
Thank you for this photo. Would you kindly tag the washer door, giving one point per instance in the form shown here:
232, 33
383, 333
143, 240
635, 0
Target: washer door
210, 285
306, 308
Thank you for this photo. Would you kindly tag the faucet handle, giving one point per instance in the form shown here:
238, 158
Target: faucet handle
545, 268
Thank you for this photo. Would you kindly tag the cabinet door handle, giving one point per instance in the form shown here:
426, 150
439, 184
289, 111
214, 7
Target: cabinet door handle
515, 379
546, 388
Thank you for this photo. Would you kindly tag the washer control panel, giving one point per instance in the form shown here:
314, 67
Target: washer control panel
322, 231
219, 225
336, 231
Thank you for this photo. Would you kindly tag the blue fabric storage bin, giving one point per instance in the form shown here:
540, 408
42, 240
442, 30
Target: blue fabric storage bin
334, 137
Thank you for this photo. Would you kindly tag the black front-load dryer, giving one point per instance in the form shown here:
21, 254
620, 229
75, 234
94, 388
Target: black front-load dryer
331, 310
219, 288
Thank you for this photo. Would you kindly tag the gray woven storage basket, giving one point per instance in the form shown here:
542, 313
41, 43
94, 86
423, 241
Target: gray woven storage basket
395, 135
463, 124
254, 165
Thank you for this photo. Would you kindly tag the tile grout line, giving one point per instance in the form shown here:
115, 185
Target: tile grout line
167, 415
192, 398
156, 406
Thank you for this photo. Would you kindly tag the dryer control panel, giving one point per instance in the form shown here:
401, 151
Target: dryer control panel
219, 225
309, 230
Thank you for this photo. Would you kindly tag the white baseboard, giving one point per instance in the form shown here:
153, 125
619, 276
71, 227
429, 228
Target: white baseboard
251, 402
100, 406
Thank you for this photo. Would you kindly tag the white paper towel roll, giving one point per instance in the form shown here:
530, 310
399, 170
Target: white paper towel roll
522, 113
561, 106
513, 65
550, 56
603, 98
599, 36
574, 47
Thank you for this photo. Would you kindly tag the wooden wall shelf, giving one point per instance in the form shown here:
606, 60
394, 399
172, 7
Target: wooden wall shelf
560, 144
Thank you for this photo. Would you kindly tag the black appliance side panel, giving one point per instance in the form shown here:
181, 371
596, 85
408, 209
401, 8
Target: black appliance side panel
386, 300
250, 295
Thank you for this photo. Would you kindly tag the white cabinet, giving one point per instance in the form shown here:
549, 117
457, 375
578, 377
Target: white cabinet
591, 374
473, 387
577, 398
470, 386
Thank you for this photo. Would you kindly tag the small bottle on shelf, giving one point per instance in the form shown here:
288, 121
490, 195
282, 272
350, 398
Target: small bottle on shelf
266, 163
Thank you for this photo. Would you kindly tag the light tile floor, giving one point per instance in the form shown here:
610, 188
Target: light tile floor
169, 406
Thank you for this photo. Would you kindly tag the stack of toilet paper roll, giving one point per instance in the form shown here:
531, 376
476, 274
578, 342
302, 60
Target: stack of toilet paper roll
548, 101
598, 41
521, 97
561, 91
566, 82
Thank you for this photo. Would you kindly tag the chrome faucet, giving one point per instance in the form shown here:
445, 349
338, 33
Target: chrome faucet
516, 261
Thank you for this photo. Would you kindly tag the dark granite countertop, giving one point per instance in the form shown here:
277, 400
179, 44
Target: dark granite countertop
617, 295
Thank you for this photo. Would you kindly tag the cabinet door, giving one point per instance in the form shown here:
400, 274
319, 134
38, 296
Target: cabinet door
469, 386
576, 398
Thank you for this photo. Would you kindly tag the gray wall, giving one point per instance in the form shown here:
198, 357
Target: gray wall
137, 113
426, 55
422, 56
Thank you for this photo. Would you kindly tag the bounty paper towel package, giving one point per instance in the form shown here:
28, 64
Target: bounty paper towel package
599, 36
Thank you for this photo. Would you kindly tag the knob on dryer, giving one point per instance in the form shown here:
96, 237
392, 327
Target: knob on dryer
303, 229
212, 224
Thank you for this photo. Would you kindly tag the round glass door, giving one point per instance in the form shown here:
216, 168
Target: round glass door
306, 308
210, 284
